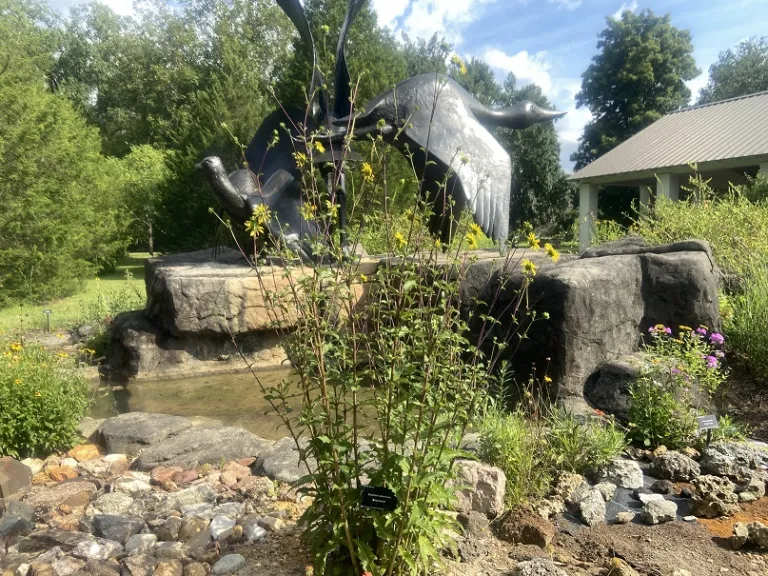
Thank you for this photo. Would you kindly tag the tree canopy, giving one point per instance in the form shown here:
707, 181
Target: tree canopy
637, 76
739, 71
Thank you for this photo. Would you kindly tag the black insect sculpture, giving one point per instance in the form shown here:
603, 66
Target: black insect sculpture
429, 118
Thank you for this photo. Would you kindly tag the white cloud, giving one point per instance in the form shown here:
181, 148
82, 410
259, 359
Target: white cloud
696, 85
527, 68
631, 6
569, 4
122, 7
447, 18
388, 11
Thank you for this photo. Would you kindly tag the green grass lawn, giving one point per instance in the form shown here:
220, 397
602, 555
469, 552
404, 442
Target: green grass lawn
69, 312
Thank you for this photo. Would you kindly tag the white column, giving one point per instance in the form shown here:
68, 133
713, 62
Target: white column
645, 200
668, 185
587, 213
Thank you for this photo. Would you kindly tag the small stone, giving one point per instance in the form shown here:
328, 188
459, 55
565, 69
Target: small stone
61, 473
752, 490
141, 543
483, 487
198, 545
256, 487
234, 509
607, 489
65, 566
116, 503
550, 507
96, 467
99, 568
228, 564
645, 498
197, 494
663, 487
271, 524
169, 550
117, 528
169, 531
163, 474
691, 452
740, 535
140, 565
240, 471
168, 568
659, 511
537, 567
758, 534
232, 536
660, 451
69, 462
85, 452
567, 484
640, 491
220, 524
690, 519
34, 464
253, 532
184, 477
592, 508
200, 510
620, 568
129, 485
22, 570
96, 549
625, 517
476, 525
195, 569
624, 473
190, 526
229, 479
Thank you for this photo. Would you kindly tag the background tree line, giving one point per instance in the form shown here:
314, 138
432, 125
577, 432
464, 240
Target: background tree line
102, 117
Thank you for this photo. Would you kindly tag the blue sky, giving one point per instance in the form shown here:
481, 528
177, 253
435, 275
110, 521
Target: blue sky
551, 42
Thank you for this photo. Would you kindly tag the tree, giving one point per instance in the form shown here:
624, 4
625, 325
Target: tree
737, 72
477, 78
61, 220
638, 76
540, 192
423, 56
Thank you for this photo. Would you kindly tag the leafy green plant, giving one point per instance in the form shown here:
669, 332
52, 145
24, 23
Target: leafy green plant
662, 406
42, 400
746, 319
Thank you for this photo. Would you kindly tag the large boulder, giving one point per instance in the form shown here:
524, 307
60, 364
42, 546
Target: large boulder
675, 466
202, 446
13, 476
732, 459
598, 306
714, 497
136, 431
281, 462
480, 488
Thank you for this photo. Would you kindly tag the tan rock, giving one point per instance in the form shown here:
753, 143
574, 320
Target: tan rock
86, 452
79, 500
190, 526
54, 496
168, 568
196, 569
184, 477
229, 479
256, 486
164, 473
237, 469
61, 473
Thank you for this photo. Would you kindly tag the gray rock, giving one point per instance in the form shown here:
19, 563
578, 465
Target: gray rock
646, 498
96, 549
117, 503
740, 535
690, 518
231, 509
663, 487
168, 568
607, 489
169, 531
219, 525
140, 565
197, 494
131, 485
714, 497
538, 567
43, 540
141, 544
253, 532
202, 446
731, 459
675, 466
13, 527
190, 526
752, 490
65, 566
169, 550
623, 473
625, 517
280, 462
135, 431
228, 564
755, 533
587, 327
13, 476
50, 497
117, 528
592, 508
483, 488
659, 511
204, 510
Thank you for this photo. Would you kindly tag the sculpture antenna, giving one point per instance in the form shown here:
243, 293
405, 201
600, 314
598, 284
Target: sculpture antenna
342, 106
295, 11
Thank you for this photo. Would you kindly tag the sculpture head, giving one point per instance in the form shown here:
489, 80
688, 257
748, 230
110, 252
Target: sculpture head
226, 193
519, 116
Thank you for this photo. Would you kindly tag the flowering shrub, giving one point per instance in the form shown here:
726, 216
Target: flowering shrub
686, 364
42, 400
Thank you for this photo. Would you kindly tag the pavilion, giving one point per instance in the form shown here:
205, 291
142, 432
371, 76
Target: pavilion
727, 141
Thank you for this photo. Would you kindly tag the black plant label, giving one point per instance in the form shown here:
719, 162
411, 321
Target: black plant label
378, 498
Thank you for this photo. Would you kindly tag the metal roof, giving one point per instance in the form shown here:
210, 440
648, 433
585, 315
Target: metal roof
735, 128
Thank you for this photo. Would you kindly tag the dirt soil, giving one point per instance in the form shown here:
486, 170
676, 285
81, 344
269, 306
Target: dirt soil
745, 398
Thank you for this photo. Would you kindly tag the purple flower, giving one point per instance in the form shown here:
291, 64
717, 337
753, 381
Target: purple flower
712, 362
651, 330
701, 331
675, 371
668, 330
716, 338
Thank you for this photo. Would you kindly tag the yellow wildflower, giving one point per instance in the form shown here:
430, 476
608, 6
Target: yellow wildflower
401, 241
475, 229
7, 354
308, 211
62, 355
59, 335
438, 244
300, 158
527, 394
551, 252
37, 394
363, 278
471, 241
683, 328
547, 379
533, 242
319, 147
18, 381
367, 171
529, 267
15, 347
459, 63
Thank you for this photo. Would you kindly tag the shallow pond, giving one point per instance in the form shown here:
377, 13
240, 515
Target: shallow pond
234, 399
